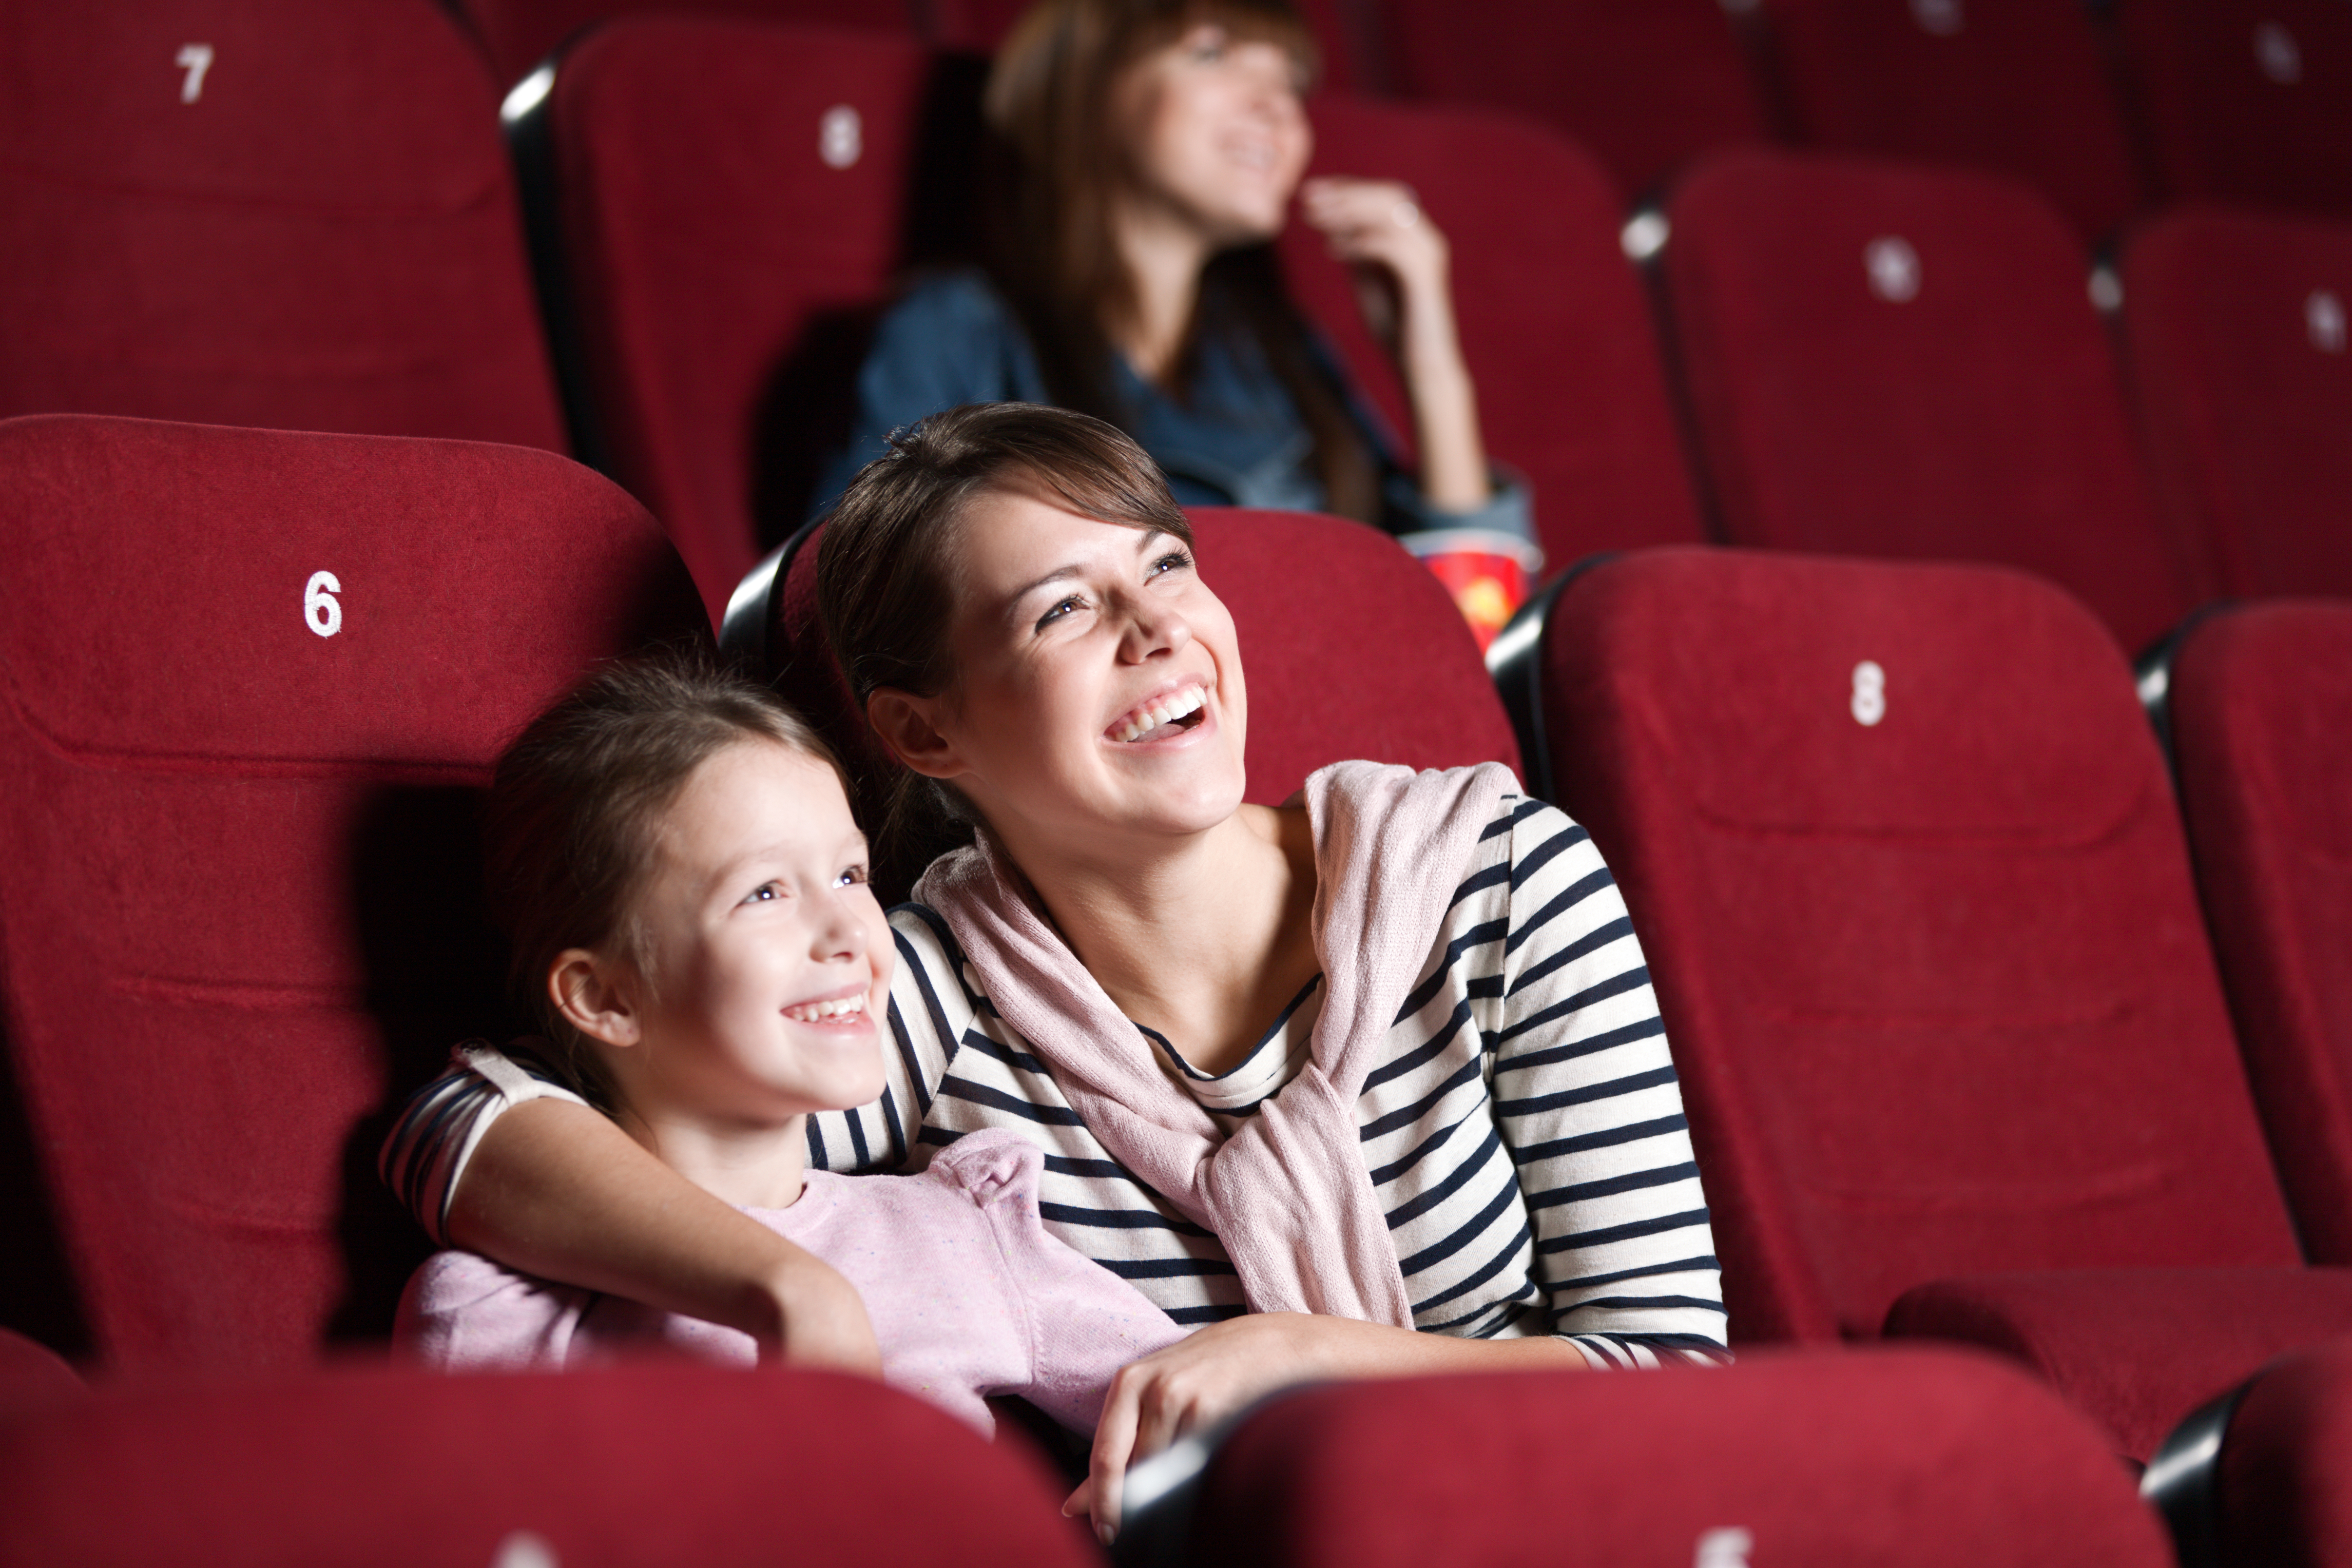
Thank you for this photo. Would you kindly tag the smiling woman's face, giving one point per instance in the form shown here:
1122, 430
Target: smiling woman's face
1098, 690
1215, 131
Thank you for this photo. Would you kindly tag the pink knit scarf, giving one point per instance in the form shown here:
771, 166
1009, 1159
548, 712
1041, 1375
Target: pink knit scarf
1288, 1193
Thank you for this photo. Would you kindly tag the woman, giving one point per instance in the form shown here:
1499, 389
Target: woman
1367, 1085
1147, 153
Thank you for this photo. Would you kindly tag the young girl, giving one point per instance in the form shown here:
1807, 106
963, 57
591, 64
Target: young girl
672, 852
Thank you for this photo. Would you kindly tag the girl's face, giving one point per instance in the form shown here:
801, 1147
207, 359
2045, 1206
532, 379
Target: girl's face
1215, 131
1098, 690
769, 958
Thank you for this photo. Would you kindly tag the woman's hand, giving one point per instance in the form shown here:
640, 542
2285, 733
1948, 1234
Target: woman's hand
1404, 270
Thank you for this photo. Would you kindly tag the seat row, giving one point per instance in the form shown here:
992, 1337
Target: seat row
2100, 107
1873, 358
1906, 857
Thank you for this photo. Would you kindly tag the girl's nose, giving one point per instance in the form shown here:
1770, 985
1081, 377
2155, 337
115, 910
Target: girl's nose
840, 935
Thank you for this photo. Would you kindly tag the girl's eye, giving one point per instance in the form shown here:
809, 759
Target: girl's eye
850, 877
1073, 602
766, 892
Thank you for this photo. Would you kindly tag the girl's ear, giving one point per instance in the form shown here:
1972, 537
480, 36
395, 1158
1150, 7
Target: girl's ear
595, 995
907, 725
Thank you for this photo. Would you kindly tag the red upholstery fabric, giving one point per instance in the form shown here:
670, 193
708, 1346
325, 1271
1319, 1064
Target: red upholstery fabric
2021, 87
33, 1378
2249, 99
2282, 1497
717, 256
2238, 358
1646, 84
309, 222
612, 1469
1938, 985
2136, 1348
1971, 411
1922, 1457
1351, 648
240, 915
518, 33
2262, 729
1571, 390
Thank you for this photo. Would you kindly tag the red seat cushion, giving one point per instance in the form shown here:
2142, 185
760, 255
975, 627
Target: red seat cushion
1900, 361
518, 33
1646, 84
1922, 1458
2281, 1492
2136, 1348
2262, 729
307, 221
2245, 99
33, 1378
1570, 389
1905, 860
646, 1465
2240, 329
2018, 86
254, 681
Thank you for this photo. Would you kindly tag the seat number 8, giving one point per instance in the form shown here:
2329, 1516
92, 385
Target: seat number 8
322, 611
1869, 704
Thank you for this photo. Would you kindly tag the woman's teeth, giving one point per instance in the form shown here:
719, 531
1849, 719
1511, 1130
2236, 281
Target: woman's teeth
1151, 716
817, 1013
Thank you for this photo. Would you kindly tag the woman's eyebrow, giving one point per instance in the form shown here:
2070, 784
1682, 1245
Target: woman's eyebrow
1072, 570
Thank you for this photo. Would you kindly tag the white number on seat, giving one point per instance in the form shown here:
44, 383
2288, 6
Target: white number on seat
2323, 317
1893, 268
2278, 54
1869, 693
322, 611
1724, 1548
1941, 17
195, 59
840, 137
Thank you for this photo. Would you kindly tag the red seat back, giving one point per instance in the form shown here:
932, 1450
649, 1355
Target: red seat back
260, 213
2237, 326
1905, 860
1351, 647
2245, 99
254, 681
2261, 705
2019, 87
1646, 84
733, 198
518, 33
1553, 323
629, 1467
981, 25
1896, 362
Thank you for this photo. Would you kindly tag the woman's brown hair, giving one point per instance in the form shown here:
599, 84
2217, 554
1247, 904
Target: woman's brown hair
886, 568
568, 832
1055, 167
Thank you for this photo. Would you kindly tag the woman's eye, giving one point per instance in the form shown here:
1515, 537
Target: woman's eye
1060, 610
1174, 560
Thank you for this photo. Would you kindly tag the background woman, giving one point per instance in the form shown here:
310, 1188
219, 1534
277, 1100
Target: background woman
1370, 1084
1147, 155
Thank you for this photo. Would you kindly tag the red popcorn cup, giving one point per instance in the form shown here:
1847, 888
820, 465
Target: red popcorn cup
1487, 573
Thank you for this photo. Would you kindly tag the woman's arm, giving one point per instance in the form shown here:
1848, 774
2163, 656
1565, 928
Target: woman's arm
1404, 273
555, 1189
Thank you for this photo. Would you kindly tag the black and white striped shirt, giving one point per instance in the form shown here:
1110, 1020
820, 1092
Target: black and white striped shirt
1524, 1135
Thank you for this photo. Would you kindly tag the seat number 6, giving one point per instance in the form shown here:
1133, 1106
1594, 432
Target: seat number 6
322, 611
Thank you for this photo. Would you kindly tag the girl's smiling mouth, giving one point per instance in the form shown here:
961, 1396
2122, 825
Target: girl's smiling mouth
1180, 706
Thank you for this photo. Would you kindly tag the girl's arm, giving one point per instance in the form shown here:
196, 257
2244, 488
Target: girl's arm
1404, 272
555, 1189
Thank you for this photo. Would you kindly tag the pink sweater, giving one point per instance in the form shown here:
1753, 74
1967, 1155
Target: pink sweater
968, 1294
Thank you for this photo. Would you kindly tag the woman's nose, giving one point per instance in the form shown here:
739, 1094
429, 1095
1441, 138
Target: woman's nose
1153, 629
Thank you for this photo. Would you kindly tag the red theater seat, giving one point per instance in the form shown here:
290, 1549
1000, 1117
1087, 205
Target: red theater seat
2246, 100
519, 34
1904, 858
2019, 87
733, 200
254, 681
2241, 363
33, 1378
2260, 707
2279, 1496
1930, 1458
1352, 650
981, 25
1646, 84
1553, 321
259, 212
1888, 360
626, 1468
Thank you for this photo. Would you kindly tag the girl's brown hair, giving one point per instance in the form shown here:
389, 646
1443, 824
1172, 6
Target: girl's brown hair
568, 832
885, 568
1057, 164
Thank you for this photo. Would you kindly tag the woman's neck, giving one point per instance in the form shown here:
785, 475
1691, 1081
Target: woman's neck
750, 1165
1205, 940
1164, 253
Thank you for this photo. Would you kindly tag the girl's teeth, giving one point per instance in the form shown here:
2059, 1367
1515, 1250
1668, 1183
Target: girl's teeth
816, 1012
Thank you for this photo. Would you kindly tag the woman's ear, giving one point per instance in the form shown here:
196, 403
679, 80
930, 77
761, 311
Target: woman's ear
595, 996
905, 723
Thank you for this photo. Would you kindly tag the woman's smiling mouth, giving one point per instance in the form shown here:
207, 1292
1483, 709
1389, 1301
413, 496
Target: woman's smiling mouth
1176, 707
